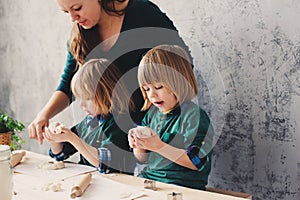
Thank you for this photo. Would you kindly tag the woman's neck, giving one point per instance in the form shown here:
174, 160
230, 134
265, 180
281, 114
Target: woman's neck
111, 19
109, 29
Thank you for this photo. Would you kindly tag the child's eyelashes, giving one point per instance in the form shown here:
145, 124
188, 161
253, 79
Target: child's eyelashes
77, 9
156, 87
159, 87
147, 89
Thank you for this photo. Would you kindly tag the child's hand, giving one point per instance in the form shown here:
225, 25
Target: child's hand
131, 138
144, 138
138, 132
152, 143
53, 137
56, 127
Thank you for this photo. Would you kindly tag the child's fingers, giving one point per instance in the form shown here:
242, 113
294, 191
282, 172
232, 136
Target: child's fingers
64, 129
131, 142
53, 125
140, 142
131, 132
47, 135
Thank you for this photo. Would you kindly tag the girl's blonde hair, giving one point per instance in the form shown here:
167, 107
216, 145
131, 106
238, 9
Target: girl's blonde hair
170, 66
99, 80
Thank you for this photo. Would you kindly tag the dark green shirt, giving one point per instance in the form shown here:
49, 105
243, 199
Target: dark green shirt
184, 127
108, 133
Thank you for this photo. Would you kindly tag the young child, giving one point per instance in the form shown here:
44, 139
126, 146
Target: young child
101, 137
177, 141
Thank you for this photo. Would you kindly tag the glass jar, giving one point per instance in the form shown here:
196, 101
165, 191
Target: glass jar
6, 181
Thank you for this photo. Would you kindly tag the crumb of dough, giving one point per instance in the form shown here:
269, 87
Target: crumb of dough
58, 129
54, 187
52, 165
125, 195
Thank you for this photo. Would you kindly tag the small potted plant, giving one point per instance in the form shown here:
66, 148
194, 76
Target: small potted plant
9, 131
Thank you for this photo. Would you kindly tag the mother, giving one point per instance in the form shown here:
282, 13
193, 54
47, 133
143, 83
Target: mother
107, 27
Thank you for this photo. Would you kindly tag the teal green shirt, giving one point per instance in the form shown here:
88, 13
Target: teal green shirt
184, 127
108, 133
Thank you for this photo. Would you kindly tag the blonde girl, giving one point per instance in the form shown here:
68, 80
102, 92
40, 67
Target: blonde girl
180, 131
101, 137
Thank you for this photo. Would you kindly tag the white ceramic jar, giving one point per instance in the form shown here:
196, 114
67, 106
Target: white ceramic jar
6, 180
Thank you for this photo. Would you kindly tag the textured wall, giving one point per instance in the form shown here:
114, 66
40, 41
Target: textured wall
247, 56
32, 56
253, 48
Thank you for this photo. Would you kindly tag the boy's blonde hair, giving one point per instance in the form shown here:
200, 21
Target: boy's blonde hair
170, 66
99, 80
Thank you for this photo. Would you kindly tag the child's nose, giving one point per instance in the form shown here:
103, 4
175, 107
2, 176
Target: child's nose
152, 93
82, 104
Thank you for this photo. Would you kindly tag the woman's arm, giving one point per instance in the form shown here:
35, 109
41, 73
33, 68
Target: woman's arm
58, 102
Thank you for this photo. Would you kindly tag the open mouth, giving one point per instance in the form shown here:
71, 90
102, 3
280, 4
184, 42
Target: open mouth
158, 103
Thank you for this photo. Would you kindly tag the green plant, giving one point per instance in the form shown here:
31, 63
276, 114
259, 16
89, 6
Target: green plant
7, 124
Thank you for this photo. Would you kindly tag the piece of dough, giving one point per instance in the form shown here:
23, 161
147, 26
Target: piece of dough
52, 165
58, 129
125, 195
143, 132
55, 187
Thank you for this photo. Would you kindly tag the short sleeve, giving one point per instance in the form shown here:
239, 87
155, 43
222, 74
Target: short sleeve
198, 136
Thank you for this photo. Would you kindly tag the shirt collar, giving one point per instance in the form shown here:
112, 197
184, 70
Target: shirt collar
95, 121
176, 110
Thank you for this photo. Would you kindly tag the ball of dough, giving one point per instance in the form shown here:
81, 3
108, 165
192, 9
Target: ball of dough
143, 132
52, 165
58, 129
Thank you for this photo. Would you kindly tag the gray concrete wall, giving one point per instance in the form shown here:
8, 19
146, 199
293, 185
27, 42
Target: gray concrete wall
32, 56
247, 60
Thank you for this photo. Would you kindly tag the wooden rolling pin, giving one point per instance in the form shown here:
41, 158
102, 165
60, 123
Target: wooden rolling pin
16, 158
78, 189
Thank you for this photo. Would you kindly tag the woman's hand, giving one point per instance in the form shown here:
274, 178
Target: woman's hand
37, 127
58, 102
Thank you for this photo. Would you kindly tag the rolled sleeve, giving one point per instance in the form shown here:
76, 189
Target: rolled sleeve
104, 155
58, 157
197, 156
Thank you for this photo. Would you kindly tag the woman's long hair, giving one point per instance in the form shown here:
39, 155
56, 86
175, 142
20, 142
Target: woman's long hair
82, 41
